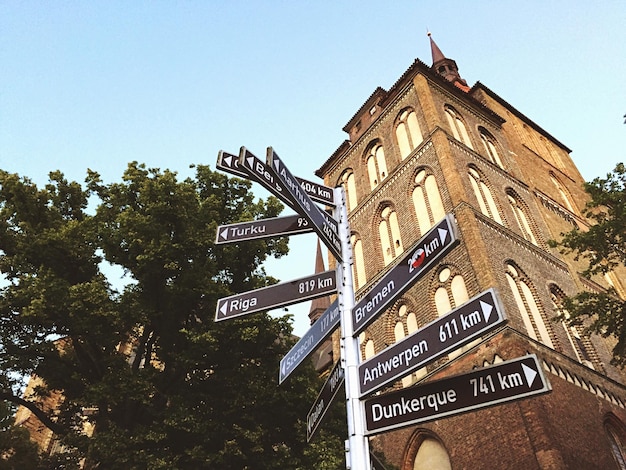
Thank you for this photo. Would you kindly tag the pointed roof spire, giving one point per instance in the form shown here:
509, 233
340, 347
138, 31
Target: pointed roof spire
445, 67
319, 305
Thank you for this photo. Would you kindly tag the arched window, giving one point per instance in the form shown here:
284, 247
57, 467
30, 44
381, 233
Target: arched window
358, 267
483, 194
581, 345
615, 433
408, 132
431, 455
369, 350
459, 131
451, 293
389, 231
533, 318
349, 185
489, 142
519, 212
376, 164
406, 324
427, 201
566, 197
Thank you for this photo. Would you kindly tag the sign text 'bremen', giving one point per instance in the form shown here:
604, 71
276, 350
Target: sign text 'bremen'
325, 226
501, 383
324, 399
278, 295
428, 249
467, 322
310, 341
263, 228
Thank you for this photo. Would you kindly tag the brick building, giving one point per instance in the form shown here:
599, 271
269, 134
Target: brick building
432, 145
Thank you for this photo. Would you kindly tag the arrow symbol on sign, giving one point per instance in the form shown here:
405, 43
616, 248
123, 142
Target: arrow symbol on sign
250, 162
486, 308
224, 308
224, 233
530, 374
442, 235
228, 161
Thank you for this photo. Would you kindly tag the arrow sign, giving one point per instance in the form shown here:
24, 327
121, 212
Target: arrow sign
230, 164
310, 341
508, 381
449, 332
324, 399
264, 228
278, 295
325, 226
432, 246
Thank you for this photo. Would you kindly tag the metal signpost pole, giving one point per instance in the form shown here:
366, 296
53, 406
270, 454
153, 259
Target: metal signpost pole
357, 448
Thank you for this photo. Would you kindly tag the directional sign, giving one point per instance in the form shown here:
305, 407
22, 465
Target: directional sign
310, 341
264, 228
324, 399
230, 164
278, 295
437, 241
325, 226
458, 327
318, 192
501, 383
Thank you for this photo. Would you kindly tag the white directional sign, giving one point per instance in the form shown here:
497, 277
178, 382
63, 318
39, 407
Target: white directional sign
501, 383
325, 226
447, 333
310, 341
324, 399
437, 241
264, 228
278, 295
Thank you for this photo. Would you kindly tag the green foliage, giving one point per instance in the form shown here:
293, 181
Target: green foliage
603, 246
142, 359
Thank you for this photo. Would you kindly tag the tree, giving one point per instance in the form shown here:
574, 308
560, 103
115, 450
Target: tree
603, 246
142, 363
16, 450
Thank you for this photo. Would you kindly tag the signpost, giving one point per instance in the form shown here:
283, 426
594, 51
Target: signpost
324, 399
317, 334
264, 228
432, 246
511, 380
449, 332
507, 381
278, 295
325, 226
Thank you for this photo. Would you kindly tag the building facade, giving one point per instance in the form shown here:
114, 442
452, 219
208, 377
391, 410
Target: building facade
430, 146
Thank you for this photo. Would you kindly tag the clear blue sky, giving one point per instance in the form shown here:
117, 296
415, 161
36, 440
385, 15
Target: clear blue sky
97, 84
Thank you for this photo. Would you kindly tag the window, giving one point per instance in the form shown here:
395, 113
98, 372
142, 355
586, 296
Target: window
369, 350
358, 267
615, 433
450, 294
427, 201
579, 344
519, 212
406, 324
408, 132
349, 185
376, 165
533, 318
489, 142
566, 197
431, 455
459, 131
482, 192
389, 232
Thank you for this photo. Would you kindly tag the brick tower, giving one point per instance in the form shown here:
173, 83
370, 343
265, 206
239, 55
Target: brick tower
429, 146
